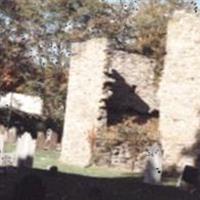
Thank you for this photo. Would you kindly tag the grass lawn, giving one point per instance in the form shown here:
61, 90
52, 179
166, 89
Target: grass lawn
97, 183
45, 158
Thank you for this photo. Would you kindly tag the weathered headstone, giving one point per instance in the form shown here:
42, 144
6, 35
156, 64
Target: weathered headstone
12, 135
85, 90
40, 140
8, 159
2, 129
179, 92
153, 171
25, 150
51, 139
190, 175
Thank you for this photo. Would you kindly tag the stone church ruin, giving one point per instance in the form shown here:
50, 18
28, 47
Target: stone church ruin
85, 90
107, 86
104, 85
179, 92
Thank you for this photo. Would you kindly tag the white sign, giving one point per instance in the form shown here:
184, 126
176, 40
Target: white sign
24, 103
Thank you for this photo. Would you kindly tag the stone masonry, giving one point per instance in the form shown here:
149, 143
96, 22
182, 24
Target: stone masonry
135, 88
131, 81
85, 90
179, 93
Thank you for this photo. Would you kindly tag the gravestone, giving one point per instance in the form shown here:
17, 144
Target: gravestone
8, 159
25, 150
190, 175
51, 139
153, 171
40, 140
83, 106
2, 129
179, 91
1, 148
12, 135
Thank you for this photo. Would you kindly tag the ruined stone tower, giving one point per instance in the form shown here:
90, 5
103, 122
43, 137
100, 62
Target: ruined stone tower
85, 90
179, 93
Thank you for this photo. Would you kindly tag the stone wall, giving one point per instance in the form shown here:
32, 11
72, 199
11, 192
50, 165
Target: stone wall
179, 93
103, 85
85, 90
135, 88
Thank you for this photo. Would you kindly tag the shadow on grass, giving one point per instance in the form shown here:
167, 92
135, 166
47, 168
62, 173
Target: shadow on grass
62, 186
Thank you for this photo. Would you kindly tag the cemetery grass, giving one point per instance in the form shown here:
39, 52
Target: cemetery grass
46, 158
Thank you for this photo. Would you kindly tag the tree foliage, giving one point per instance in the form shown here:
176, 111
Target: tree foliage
47, 27
151, 25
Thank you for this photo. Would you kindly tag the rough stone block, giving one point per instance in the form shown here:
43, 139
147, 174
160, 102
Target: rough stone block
179, 91
85, 90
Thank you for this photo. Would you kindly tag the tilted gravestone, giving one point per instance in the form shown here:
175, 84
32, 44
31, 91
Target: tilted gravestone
85, 90
190, 175
25, 150
179, 91
153, 171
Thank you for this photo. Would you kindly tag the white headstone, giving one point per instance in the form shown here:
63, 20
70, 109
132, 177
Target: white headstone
25, 150
153, 171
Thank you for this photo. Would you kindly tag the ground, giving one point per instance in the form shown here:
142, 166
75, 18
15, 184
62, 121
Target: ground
92, 184
62, 186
